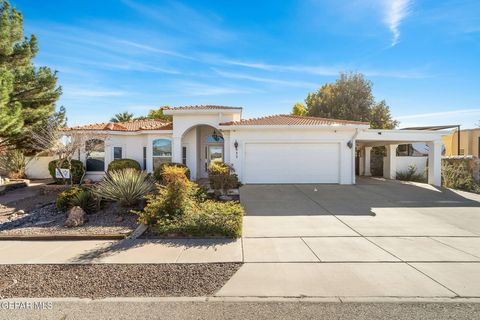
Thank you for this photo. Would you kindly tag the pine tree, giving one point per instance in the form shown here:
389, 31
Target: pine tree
10, 116
33, 91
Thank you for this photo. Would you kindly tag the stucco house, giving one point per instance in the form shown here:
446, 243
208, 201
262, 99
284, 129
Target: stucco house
272, 149
469, 143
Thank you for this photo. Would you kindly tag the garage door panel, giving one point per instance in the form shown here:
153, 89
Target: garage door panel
292, 162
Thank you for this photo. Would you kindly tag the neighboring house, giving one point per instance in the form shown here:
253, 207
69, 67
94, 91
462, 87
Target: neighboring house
272, 149
469, 143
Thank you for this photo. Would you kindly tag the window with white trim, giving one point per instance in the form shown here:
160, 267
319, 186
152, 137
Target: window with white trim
162, 152
117, 153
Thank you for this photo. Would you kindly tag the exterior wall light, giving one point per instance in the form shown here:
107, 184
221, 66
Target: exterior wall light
235, 144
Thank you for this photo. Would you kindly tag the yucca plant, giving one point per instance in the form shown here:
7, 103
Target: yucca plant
127, 186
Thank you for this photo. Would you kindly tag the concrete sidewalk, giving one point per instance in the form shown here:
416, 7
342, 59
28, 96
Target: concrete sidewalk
292, 267
125, 251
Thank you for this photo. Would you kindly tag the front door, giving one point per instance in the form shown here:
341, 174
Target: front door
213, 153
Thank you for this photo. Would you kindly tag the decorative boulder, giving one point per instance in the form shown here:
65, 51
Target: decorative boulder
75, 217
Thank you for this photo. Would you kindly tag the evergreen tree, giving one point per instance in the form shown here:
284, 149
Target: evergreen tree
10, 116
34, 91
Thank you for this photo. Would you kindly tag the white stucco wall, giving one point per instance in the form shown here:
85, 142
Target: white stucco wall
402, 163
37, 168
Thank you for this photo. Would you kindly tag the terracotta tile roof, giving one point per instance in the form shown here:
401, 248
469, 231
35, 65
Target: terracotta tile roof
290, 120
201, 107
130, 126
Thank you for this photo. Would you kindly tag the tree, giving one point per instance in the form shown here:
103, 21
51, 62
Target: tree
65, 145
34, 91
299, 109
158, 114
11, 122
350, 98
122, 117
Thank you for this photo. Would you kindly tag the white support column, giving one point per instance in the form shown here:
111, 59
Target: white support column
177, 149
435, 163
366, 154
390, 165
226, 146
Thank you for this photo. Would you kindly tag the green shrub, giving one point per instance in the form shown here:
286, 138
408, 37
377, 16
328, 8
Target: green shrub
411, 175
222, 178
158, 172
173, 199
458, 176
127, 186
123, 164
76, 172
209, 218
77, 196
12, 164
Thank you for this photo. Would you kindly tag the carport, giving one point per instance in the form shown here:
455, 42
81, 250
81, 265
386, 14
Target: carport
391, 139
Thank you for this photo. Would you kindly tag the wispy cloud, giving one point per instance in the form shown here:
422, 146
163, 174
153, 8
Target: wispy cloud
148, 48
318, 70
327, 70
243, 76
395, 11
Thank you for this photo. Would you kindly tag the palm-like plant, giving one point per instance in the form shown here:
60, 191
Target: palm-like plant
122, 117
127, 186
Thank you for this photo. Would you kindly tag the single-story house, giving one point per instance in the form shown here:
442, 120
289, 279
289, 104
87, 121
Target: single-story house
270, 150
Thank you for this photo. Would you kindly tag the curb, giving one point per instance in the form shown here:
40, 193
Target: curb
255, 299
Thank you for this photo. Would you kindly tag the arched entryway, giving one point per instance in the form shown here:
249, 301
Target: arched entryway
202, 145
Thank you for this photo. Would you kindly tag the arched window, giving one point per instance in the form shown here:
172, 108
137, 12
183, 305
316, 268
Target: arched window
162, 152
95, 154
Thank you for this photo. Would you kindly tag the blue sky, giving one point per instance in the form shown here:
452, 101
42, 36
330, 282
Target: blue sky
423, 57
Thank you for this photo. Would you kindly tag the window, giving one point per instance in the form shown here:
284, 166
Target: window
144, 158
95, 151
162, 152
117, 153
184, 155
462, 152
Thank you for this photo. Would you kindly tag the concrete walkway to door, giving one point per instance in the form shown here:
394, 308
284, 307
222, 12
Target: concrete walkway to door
374, 239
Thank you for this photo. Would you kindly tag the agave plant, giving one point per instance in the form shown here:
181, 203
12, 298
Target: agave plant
125, 186
85, 200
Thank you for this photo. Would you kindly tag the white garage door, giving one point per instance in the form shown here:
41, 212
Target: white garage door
292, 163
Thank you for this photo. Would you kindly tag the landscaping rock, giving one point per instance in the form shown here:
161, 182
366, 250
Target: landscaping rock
75, 217
20, 212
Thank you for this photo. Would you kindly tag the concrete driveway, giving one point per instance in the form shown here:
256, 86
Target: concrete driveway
373, 207
374, 239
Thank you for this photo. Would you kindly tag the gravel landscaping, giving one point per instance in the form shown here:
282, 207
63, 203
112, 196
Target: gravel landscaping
47, 220
114, 280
